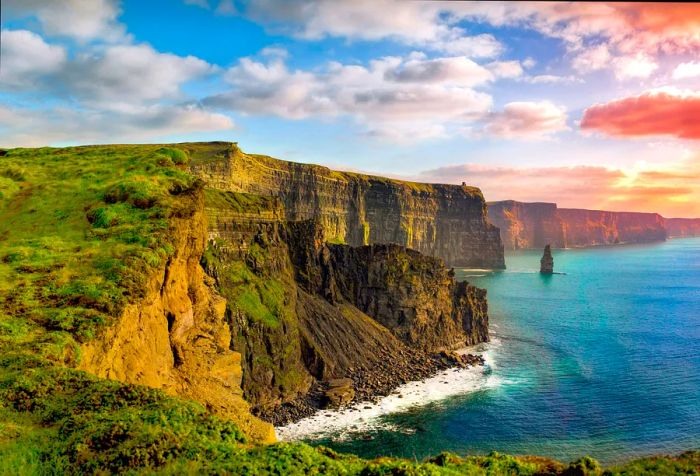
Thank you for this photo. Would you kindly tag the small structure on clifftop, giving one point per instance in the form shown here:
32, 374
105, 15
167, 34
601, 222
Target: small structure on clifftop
547, 262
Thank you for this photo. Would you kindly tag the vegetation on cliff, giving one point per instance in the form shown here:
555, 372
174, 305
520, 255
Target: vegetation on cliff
82, 229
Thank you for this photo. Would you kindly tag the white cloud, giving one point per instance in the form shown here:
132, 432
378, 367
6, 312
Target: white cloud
452, 70
421, 24
36, 127
274, 51
637, 66
625, 36
82, 20
391, 97
226, 7
526, 120
529, 63
690, 69
131, 74
25, 57
624, 67
506, 69
592, 59
551, 79
457, 42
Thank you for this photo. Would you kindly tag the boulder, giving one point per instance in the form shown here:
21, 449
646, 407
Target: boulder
340, 392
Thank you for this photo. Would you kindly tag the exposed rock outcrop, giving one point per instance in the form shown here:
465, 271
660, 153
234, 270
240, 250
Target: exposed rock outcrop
532, 225
447, 221
299, 320
547, 261
340, 392
177, 338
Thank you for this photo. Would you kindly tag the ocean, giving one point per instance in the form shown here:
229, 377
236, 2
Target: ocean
601, 360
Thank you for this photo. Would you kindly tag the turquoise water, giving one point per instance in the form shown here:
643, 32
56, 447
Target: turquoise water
603, 360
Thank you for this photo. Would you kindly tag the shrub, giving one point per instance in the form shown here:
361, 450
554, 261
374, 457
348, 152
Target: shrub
177, 156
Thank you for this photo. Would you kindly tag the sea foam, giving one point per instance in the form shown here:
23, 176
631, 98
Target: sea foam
363, 417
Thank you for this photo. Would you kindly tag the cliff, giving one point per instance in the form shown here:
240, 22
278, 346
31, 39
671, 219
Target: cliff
528, 225
412, 295
176, 337
115, 260
299, 320
130, 268
533, 225
446, 221
596, 227
682, 227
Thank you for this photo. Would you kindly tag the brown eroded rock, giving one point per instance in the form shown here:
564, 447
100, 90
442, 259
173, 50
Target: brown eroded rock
177, 338
340, 392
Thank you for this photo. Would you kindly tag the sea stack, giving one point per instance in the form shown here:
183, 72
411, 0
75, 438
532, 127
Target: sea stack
547, 262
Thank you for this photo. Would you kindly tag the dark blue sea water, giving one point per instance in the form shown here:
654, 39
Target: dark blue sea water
603, 360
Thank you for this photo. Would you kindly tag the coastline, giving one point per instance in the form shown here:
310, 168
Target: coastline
370, 385
363, 413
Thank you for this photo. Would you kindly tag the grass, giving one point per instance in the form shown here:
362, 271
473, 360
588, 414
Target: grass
242, 202
260, 298
81, 229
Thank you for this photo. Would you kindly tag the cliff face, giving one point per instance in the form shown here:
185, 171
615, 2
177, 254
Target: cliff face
683, 227
412, 295
533, 225
446, 221
298, 318
528, 225
596, 227
176, 338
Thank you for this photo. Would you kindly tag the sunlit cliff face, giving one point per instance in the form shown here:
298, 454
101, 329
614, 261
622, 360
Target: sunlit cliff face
587, 104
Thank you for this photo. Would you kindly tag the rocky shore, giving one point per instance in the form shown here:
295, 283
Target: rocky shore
369, 384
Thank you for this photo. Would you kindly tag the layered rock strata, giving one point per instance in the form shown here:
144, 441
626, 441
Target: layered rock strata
528, 225
533, 225
299, 320
446, 221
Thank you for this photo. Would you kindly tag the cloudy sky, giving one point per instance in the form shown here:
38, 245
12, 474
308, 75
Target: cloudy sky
586, 104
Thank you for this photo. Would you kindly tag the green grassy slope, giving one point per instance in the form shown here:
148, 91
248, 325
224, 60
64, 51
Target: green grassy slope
80, 230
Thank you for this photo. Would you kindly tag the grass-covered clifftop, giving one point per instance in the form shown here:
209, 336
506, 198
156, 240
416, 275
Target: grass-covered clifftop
83, 231
80, 229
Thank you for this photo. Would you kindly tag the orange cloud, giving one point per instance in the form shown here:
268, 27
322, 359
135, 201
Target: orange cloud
661, 112
671, 192
662, 17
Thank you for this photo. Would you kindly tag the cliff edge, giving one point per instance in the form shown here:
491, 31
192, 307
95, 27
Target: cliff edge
447, 221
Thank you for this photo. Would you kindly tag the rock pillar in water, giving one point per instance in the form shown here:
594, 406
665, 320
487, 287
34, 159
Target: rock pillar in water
547, 262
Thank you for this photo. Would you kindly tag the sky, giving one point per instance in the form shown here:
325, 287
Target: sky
589, 105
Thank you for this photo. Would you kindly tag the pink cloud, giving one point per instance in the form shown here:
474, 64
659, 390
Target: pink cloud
663, 112
526, 120
671, 192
